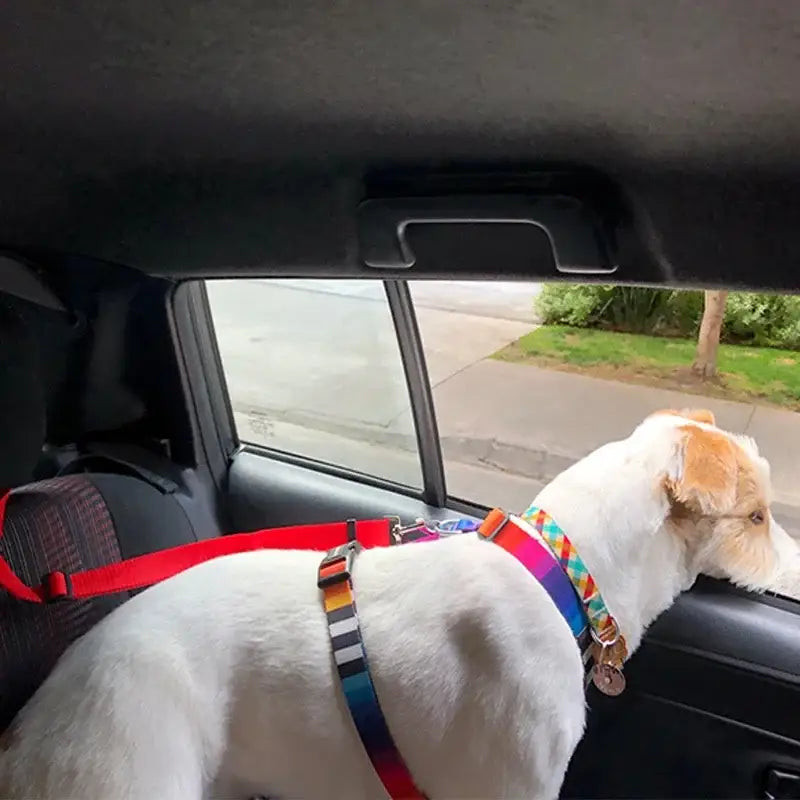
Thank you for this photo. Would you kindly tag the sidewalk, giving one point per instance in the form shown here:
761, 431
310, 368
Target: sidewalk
523, 422
536, 422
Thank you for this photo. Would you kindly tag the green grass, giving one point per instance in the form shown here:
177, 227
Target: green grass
745, 373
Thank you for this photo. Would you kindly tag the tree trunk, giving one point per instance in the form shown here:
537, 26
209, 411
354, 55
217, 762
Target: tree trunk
705, 360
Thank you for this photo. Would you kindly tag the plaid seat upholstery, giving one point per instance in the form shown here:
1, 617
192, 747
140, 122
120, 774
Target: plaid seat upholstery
60, 524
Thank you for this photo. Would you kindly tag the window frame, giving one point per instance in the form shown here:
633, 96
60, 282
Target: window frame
420, 393
191, 301
215, 437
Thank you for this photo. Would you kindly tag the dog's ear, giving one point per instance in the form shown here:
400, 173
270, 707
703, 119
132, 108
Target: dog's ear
699, 415
704, 476
694, 414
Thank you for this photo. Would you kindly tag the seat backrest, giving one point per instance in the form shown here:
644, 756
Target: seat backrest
61, 524
68, 524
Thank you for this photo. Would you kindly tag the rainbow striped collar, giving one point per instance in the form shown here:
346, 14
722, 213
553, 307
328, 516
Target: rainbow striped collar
563, 574
597, 613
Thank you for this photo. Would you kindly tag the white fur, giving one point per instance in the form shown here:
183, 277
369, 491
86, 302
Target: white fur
786, 580
220, 681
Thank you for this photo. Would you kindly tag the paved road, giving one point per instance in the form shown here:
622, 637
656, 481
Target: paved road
326, 352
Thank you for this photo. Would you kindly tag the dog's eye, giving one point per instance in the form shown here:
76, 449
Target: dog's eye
757, 517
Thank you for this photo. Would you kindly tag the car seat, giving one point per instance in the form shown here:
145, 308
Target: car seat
67, 523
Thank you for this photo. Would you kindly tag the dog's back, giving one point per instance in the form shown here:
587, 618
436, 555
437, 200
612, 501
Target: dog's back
226, 671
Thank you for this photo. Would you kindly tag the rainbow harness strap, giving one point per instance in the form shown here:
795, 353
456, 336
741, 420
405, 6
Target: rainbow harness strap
561, 573
335, 580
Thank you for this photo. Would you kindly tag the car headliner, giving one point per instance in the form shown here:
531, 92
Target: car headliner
194, 138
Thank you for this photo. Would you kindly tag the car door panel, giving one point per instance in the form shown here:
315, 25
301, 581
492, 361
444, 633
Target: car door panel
651, 747
268, 492
713, 703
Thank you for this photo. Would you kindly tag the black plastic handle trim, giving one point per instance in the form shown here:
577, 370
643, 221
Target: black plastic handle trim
577, 241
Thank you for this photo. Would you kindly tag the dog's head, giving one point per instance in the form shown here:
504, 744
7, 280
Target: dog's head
718, 489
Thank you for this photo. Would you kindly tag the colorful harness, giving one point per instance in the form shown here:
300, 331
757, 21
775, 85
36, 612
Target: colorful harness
555, 565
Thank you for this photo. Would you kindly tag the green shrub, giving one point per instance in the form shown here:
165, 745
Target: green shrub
685, 313
621, 308
638, 310
572, 304
763, 320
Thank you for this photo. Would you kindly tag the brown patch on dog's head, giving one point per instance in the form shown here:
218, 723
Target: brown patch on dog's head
707, 478
694, 414
719, 496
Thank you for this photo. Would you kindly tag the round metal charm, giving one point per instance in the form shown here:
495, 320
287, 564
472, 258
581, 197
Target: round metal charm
608, 679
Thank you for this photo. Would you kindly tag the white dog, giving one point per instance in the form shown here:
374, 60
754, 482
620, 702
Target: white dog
220, 682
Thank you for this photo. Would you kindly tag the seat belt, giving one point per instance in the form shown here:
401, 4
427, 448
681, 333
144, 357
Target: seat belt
152, 468
103, 462
145, 570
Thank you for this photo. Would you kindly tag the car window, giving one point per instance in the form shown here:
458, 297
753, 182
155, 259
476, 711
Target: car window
313, 368
490, 446
525, 378
528, 378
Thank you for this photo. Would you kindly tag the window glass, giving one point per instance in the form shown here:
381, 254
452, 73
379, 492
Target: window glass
517, 401
463, 325
313, 368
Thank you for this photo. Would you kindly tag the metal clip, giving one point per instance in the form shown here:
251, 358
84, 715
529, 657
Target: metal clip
601, 640
395, 528
609, 657
399, 530
455, 526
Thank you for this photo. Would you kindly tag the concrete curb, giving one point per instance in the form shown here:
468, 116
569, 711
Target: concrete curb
538, 464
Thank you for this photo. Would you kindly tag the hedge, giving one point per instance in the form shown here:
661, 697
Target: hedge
762, 320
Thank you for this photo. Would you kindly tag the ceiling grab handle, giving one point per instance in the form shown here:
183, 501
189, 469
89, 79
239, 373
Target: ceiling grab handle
577, 240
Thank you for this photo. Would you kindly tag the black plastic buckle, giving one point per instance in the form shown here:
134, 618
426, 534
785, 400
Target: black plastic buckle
344, 554
57, 586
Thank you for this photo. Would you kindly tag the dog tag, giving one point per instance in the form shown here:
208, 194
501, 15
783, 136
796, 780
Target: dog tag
608, 679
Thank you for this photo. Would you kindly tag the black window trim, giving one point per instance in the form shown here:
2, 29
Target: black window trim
330, 468
418, 385
203, 379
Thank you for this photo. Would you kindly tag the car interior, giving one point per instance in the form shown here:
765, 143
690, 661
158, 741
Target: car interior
146, 149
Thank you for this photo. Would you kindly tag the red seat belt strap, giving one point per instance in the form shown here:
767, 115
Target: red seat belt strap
145, 570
